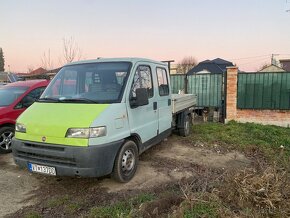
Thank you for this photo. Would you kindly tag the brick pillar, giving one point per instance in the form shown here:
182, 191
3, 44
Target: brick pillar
231, 98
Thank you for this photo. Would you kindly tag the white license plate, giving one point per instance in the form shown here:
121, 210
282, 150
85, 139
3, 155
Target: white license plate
42, 169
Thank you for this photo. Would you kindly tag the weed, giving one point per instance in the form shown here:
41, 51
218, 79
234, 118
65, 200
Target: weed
56, 202
33, 214
120, 209
142, 198
72, 207
201, 209
264, 193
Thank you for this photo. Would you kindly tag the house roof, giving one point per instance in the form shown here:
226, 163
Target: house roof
272, 68
217, 65
285, 64
38, 71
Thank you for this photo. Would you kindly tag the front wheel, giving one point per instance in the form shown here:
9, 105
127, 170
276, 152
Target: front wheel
126, 162
6, 135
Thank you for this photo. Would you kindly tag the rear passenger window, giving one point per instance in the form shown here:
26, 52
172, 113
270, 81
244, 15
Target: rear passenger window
142, 79
162, 81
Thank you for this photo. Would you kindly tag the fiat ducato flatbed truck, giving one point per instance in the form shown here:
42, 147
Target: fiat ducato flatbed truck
97, 116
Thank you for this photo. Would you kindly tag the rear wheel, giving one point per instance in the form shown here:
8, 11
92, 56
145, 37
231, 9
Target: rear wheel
6, 135
126, 162
186, 126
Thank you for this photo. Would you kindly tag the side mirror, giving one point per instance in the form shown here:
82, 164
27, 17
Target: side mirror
140, 99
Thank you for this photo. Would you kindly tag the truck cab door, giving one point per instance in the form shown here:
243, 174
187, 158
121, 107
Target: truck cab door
164, 100
143, 120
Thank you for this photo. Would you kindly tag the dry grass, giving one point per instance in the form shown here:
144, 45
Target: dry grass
263, 193
245, 193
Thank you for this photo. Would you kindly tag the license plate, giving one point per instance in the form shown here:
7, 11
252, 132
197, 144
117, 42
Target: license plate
42, 169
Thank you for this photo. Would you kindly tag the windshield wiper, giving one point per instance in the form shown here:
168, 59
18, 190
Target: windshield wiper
48, 99
80, 100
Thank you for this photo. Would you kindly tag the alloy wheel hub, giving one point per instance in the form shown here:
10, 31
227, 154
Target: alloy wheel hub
6, 139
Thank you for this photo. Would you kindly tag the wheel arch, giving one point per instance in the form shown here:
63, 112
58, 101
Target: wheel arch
137, 139
7, 125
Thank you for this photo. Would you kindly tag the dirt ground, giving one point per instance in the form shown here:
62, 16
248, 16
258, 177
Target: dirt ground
16, 186
171, 160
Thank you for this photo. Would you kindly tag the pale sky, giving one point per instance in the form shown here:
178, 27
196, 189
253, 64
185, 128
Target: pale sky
243, 31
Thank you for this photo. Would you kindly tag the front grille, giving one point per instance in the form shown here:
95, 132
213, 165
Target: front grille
46, 158
29, 145
48, 154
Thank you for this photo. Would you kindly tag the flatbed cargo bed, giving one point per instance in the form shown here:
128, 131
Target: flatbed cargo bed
181, 102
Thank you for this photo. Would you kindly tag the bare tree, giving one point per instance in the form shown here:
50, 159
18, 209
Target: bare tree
46, 61
186, 64
71, 50
30, 68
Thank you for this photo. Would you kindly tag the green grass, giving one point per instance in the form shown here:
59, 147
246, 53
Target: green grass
142, 198
121, 209
202, 209
33, 214
68, 205
56, 202
246, 136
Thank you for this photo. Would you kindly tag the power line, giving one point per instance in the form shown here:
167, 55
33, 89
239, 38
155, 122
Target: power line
257, 57
250, 62
253, 57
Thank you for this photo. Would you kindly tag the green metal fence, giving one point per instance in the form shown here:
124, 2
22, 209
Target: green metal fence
262, 90
177, 82
208, 88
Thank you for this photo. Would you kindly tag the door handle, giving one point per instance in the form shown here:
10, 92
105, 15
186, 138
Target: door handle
169, 102
155, 105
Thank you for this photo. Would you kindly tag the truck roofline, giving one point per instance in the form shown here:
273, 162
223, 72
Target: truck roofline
101, 60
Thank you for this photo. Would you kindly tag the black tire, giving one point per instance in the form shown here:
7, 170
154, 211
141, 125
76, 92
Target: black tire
186, 126
6, 135
126, 162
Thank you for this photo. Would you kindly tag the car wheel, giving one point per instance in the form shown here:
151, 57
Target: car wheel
6, 135
126, 162
186, 126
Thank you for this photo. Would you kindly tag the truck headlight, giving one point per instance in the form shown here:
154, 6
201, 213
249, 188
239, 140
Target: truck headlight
20, 128
93, 132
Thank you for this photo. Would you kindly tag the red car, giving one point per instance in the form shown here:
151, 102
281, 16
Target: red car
14, 99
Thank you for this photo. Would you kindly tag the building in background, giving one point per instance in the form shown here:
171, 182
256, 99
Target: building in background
272, 68
285, 64
3, 77
6, 77
39, 73
217, 65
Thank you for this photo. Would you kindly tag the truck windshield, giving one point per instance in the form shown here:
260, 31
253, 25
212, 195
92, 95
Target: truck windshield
88, 83
8, 94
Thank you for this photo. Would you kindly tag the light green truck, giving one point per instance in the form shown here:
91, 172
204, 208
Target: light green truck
96, 117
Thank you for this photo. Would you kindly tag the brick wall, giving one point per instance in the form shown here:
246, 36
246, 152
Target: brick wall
267, 117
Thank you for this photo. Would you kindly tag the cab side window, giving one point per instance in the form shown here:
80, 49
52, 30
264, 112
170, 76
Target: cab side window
142, 79
30, 98
163, 86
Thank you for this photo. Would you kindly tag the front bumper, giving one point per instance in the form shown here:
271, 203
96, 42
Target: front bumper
91, 161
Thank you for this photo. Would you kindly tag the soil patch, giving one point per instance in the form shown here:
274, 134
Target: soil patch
161, 167
17, 186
